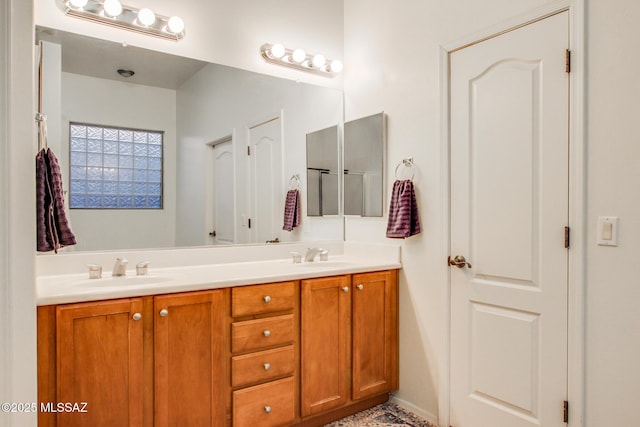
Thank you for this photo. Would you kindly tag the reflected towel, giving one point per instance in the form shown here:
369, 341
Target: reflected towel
53, 230
291, 210
404, 220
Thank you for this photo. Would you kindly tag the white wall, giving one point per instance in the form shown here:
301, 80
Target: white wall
17, 220
220, 101
229, 32
112, 103
613, 291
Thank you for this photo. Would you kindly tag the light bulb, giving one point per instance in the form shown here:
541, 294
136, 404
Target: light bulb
336, 66
175, 25
319, 61
277, 50
78, 3
298, 55
146, 16
112, 8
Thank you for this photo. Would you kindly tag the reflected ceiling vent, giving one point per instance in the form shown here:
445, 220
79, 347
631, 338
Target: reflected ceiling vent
126, 73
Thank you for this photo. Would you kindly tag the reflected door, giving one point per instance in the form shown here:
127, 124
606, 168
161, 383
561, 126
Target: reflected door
223, 195
266, 178
509, 207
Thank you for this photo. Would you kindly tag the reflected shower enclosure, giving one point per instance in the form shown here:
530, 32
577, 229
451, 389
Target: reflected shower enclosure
323, 172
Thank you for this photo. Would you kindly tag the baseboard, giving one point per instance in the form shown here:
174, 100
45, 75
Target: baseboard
411, 407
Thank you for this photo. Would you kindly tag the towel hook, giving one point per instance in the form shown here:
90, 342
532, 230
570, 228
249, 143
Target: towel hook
407, 163
294, 182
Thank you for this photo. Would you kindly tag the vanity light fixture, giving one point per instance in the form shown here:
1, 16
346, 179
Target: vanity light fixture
116, 14
300, 60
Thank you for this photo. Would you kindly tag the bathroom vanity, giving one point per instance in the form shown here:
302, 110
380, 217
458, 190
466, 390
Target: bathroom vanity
314, 346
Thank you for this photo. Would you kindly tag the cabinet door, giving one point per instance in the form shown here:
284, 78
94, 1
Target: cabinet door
100, 362
375, 334
188, 359
325, 338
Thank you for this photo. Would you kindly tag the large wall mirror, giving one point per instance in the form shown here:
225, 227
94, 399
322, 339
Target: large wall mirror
364, 148
231, 139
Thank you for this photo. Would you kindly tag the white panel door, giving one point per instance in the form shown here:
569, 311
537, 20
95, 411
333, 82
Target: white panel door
223, 194
509, 206
266, 181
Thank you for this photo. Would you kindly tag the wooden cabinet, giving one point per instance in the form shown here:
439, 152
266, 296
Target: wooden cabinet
280, 354
374, 334
349, 339
188, 359
100, 362
325, 338
263, 353
151, 361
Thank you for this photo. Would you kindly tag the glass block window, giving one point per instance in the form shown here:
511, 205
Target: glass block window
114, 168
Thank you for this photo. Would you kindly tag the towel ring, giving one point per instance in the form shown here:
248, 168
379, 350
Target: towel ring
407, 163
294, 182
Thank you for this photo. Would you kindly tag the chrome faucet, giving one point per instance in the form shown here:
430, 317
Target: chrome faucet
120, 267
311, 253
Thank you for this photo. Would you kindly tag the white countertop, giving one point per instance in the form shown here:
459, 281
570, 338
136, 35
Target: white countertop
77, 287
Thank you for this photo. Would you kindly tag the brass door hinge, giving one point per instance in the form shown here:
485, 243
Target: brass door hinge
565, 412
567, 237
248, 150
567, 61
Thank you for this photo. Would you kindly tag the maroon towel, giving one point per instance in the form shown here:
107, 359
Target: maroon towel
53, 230
291, 210
404, 220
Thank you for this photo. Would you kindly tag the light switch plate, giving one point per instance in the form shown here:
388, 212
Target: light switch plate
607, 231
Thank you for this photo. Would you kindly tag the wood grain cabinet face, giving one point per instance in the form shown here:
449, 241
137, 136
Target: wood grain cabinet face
349, 339
325, 337
374, 334
188, 359
262, 299
100, 362
132, 366
265, 405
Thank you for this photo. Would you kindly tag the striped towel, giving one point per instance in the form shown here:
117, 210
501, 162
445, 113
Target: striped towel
291, 210
53, 230
404, 220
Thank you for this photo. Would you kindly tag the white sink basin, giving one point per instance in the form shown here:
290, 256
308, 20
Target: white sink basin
122, 281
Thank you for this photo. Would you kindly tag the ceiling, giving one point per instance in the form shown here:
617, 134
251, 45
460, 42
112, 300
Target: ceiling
100, 58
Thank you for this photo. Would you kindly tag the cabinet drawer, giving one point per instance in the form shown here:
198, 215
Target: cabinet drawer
262, 366
261, 299
261, 333
266, 405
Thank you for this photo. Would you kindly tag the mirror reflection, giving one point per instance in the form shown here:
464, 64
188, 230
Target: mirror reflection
364, 146
323, 172
230, 141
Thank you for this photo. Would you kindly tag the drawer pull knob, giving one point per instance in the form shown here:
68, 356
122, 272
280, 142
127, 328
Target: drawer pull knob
267, 298
267, 333
345, 289
267, 409
164, 312
360, 287
137, 316
267, 366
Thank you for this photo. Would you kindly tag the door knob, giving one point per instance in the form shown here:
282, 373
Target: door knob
458, 261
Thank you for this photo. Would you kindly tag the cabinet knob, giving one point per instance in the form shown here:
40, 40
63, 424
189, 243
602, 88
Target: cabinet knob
137, 316
164, 312
360, 287
267, 366
345, 289
267, 298
267, 333
267, 409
